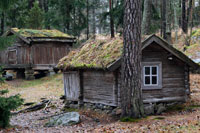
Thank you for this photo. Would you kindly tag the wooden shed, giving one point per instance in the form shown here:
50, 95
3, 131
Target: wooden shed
35, 50
92, 73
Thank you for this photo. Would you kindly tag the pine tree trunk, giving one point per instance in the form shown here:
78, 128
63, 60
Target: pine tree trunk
168, 21
87, 20
2, 23
184, 19
112, 30
163, 16
94, 19
131, 93
146, 21
175, 21
46, 9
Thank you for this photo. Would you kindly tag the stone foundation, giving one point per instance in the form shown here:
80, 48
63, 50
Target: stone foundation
29, 74
149, 109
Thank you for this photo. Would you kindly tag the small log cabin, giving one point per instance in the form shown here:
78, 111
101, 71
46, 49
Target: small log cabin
92, 73
35, 50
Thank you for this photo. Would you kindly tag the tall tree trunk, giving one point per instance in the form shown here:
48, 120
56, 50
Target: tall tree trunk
94, 19
168, 21
146, 21
30, 3
68, 12
2, 23
176, 26
131, 93
87, 20
190, 21
46, 9
189, 13
163, 16
184, 19
112, 30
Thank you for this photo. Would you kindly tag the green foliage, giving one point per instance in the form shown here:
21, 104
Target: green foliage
5, 4
6, 41
1, 77
6, 105
36, 17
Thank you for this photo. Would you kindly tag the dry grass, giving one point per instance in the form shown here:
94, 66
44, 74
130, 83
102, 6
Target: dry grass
33, 91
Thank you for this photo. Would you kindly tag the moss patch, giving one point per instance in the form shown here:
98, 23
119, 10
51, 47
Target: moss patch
94, 54
40, 33
159, 118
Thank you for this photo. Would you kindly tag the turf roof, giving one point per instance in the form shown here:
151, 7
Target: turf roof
40, 33
94, 54
105, 53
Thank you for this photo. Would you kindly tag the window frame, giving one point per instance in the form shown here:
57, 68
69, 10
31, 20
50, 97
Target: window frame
158, 75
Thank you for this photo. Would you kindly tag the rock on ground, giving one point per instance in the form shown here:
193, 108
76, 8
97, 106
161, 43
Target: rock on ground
65, 119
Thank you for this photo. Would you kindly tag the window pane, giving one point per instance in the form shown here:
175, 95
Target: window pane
147, 70
154, 70
147, 80
154, 80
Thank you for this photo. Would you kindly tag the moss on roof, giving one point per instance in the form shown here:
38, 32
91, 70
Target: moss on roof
40, 33
94, 54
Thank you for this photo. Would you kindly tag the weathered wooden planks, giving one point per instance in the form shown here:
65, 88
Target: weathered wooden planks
99, 87
71, 85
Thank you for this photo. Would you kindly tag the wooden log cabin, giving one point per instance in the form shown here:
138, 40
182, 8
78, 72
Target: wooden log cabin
35, 50
92, 73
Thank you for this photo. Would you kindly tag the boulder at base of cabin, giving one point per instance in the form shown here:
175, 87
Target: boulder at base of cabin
66, 119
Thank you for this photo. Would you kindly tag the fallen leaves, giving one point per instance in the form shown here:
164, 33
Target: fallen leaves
185, 120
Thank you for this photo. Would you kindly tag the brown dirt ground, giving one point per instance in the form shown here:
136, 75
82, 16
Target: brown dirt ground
186, 119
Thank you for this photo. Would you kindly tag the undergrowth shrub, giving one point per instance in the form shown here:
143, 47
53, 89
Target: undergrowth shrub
7, 104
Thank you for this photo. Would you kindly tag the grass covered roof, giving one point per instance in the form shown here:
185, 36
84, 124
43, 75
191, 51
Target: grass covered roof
98, 53
105, 53
40, 33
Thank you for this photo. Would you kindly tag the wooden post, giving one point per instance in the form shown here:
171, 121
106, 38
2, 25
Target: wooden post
115, 73
81, 89
187, 79
29, 74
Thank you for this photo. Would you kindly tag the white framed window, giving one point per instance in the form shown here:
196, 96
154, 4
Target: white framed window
151, 75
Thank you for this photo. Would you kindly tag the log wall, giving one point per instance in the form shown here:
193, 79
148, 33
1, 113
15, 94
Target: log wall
99, 87
173, 76
45, 53
104, 87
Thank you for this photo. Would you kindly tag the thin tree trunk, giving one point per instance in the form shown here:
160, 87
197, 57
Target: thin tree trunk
146, 21
94, 19
87, 20
46, 9
163, 27
131, 93
184, 19
168, 21
2, 23
175, 21
112, 30
190, 20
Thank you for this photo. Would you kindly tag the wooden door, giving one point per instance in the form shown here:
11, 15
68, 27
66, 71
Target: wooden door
12, 56
72, 85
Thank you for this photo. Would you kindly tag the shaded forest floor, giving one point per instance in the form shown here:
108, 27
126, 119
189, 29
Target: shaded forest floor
183, 118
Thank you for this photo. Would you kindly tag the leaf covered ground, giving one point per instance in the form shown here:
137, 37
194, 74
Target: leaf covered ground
182, 118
